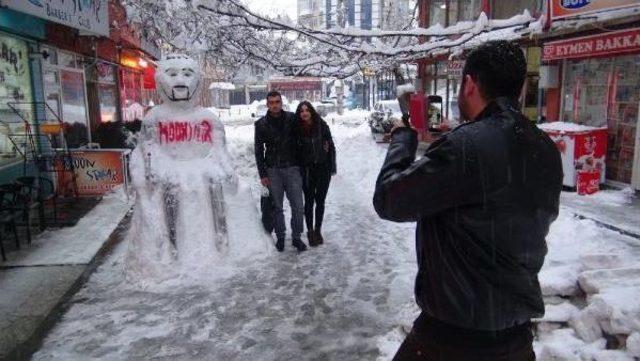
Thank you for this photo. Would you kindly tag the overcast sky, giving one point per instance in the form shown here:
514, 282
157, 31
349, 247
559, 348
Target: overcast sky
274, 7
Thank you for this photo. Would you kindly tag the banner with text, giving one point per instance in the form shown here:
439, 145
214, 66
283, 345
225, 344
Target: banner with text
87, 15
97, 171
607, 44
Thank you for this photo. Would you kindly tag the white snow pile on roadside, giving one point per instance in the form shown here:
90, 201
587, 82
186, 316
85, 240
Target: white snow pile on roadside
353, 117
613, 197
591, 284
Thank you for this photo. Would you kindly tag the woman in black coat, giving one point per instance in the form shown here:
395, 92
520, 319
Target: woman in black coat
318, 164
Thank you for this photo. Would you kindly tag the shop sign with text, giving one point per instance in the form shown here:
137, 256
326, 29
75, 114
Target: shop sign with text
87, 15
612, 43
97, 171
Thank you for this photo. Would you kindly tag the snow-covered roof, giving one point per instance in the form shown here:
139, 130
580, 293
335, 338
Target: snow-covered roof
220, 85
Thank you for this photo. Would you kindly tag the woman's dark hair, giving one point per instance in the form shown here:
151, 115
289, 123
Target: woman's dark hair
499, 67
314, 114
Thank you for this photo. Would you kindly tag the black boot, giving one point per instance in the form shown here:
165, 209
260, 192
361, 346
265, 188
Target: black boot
318, 237
311, 236
280, 244
299, 245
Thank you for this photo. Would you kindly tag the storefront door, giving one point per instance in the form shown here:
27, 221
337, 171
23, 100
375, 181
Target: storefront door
65, 93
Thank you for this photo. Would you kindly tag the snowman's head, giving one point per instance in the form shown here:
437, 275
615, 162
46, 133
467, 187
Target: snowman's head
178, 79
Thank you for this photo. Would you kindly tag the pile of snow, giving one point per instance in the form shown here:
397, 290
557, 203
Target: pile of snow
353, 117
565, 127
613, 197
591, 283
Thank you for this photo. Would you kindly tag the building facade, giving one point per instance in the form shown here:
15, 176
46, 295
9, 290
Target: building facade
363, 14
594, 79
582, 68
74, 72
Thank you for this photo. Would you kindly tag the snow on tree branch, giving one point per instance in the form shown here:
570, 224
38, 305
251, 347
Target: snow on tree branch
234, 35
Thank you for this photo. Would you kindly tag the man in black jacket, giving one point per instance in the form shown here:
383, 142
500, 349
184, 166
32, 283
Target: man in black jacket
275, 145
484, 196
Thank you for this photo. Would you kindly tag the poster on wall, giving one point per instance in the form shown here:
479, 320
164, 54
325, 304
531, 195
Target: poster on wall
87, 15
569, 8
97, 172
15, 81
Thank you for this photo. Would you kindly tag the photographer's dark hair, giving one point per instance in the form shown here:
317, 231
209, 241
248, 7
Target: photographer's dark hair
274, 93
499, 67
314, 114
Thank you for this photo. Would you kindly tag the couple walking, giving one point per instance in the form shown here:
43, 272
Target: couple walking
295, 155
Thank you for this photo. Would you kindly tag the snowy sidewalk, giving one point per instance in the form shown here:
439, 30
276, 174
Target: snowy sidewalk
348, 299
36, 279
617, 210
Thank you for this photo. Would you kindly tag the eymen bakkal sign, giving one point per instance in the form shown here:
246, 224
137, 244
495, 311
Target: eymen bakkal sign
572, 8
607, 44
91, 16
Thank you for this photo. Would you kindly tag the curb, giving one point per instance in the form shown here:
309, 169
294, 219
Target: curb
608, 225
25, 350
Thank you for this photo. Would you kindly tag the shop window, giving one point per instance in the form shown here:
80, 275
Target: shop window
505, 9
67, 60
606, 93
15, 88
459, 10
133, 106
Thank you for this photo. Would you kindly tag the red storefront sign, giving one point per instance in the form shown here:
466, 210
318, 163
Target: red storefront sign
612, 43
149, 77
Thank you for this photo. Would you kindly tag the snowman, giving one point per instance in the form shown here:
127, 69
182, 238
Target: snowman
182, 175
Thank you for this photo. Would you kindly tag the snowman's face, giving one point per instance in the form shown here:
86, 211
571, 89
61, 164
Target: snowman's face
178, 79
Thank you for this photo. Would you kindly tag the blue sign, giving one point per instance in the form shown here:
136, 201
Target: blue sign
574, 4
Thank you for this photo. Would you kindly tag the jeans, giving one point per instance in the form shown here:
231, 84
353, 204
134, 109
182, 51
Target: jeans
289, 181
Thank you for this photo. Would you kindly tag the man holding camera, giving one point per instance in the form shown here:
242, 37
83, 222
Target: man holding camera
484, 196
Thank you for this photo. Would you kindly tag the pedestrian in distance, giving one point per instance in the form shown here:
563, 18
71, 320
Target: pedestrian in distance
276, 152
318, 160
484, 196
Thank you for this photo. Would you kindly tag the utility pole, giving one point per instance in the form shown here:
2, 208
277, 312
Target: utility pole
423, 22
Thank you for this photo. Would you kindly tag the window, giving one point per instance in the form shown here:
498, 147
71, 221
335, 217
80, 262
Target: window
15, 87
365, 14
504, 9
459, 10
606, 92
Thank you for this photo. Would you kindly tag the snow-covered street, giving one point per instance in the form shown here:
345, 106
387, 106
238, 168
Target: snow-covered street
345, 300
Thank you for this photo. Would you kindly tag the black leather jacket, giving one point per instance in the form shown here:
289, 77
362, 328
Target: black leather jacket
275, 142
484, 196
318, 149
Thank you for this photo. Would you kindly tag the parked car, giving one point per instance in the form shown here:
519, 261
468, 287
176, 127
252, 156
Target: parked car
381, 119
325, 106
